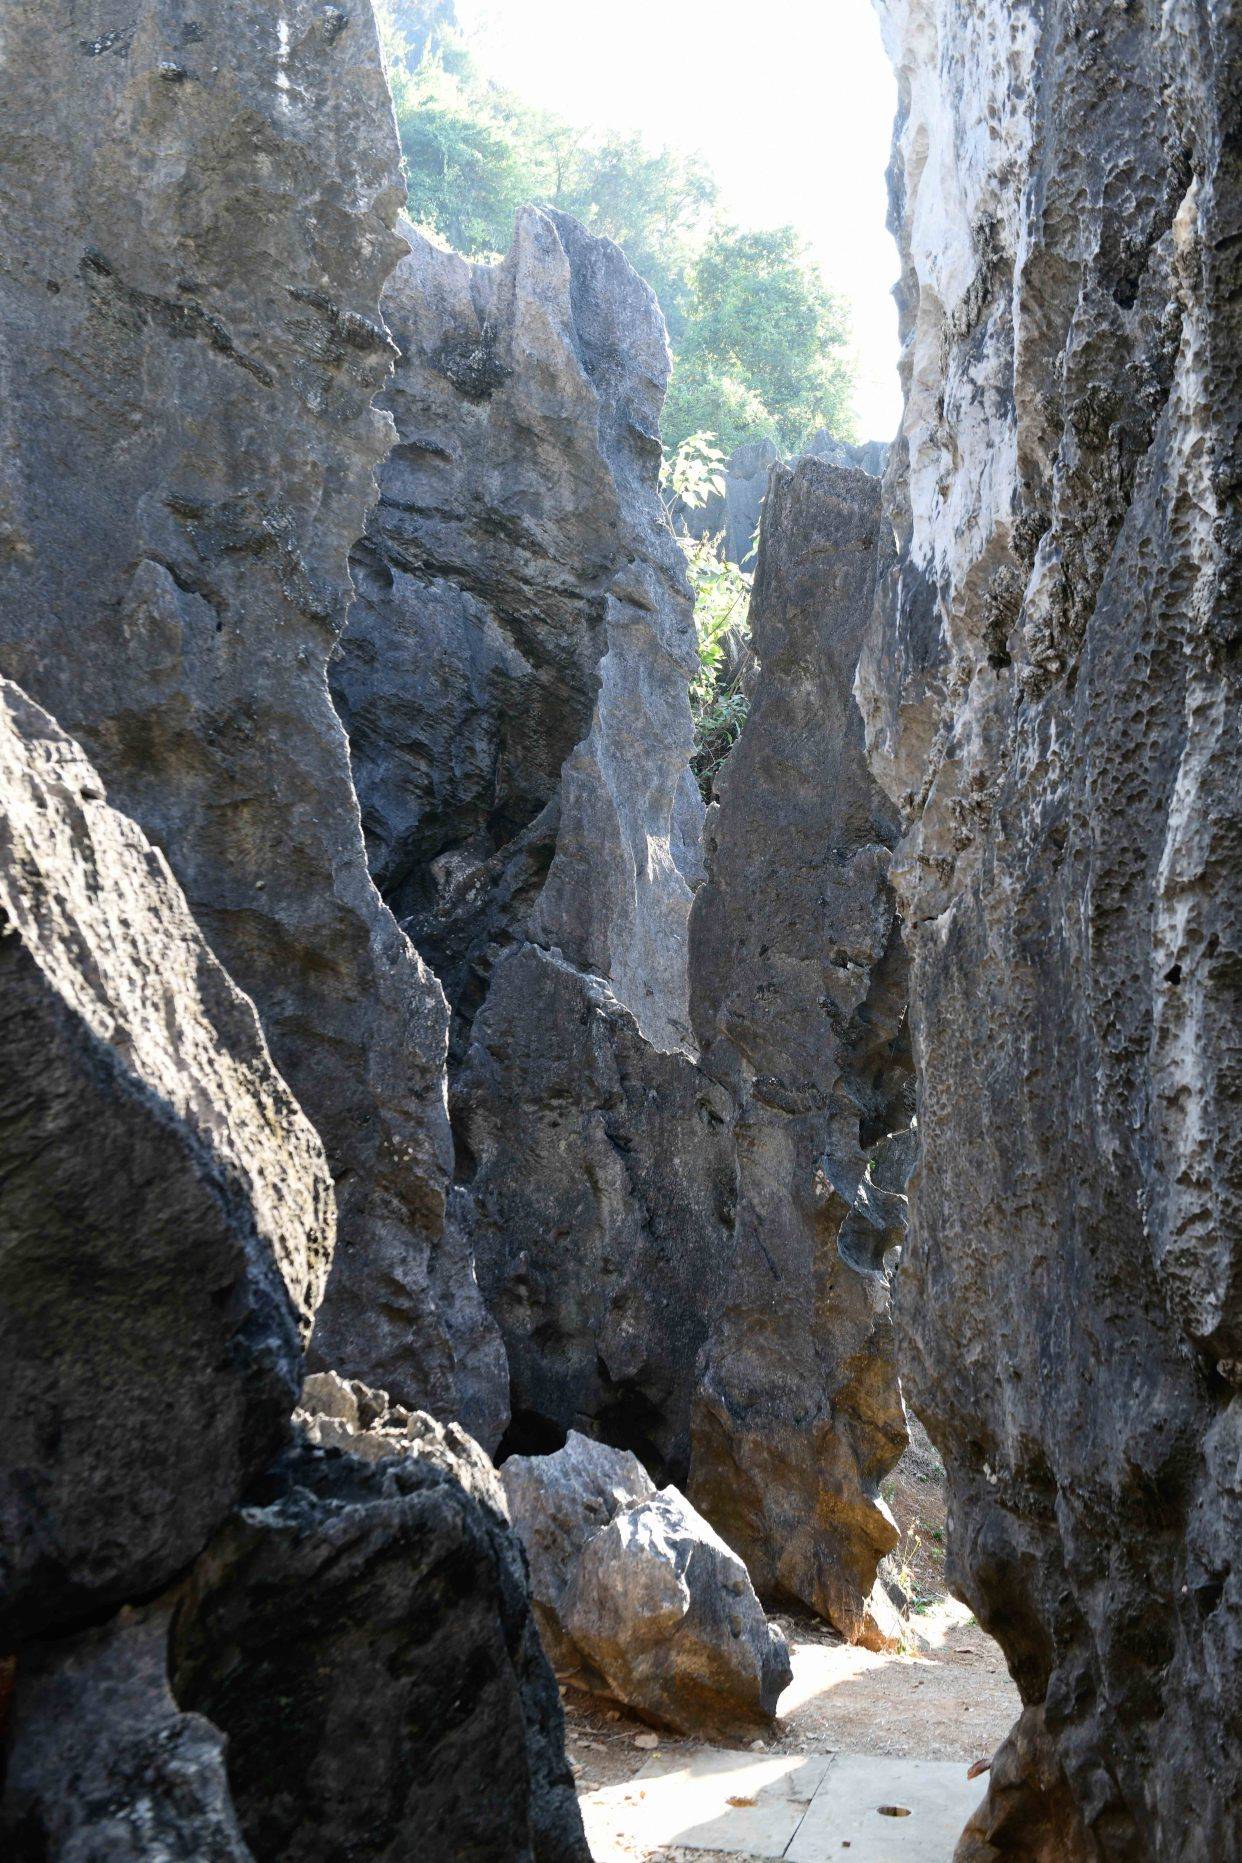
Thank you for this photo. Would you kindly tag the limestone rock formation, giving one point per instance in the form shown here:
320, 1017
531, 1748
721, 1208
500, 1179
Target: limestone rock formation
798, 1003
197, 213
1050, 693
637, 1598
527, 778
100, 1763
334, 1414
362, 1633
166, 1211
514, 684
871, 456
557, 1502
599, 1197
529, 808
1028, 1809
734, 515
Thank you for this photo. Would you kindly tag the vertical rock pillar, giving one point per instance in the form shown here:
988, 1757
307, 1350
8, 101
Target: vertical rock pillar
1050, 690
797, 980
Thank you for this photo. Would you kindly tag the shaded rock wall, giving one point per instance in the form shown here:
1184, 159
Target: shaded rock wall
197, 220
1050, 694
514, 681
514, 675
363, 1635
102, 1764
798, 999
166, 1213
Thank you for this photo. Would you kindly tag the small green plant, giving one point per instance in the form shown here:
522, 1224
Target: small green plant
690, 476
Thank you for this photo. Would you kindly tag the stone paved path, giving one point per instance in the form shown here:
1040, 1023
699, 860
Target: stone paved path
853, 1808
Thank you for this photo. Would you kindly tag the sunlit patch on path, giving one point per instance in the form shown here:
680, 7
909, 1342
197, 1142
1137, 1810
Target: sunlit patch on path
805, 1808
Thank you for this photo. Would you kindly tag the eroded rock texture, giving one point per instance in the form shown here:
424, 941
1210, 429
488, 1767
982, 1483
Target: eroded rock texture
637, 1598
599, 1197
362, 1633
101, 1767
514, 675
798, 1003
198, 215
734, 514
166, 1214
514, 681
1050, 692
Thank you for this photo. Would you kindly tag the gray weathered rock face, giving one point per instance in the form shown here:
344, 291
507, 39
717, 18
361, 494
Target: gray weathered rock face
1050, 691
871, 456
166, 1211
557, 1503
198, 217
525, 778
798, 1003
514, 683
362, 1633
528, 803
637, 1598
734, 515
101, 1767
601, 1182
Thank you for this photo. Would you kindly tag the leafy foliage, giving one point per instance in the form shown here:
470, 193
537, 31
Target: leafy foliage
764, 355
691, 474
759, 342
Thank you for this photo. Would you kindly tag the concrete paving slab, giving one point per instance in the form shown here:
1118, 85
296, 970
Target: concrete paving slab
886, 1811
745, 1804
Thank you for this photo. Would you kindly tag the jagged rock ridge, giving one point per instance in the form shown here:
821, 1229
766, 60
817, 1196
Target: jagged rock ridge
527, 780
1050, 694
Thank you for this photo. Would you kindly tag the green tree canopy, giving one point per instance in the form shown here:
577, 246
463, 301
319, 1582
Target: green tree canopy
765, 349
759, 341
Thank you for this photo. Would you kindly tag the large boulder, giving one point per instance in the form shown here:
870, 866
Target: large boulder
557, 1503
166, 1213
637, 1598
798, 999
197, 215
362, 1633
102, 1767
1051, 696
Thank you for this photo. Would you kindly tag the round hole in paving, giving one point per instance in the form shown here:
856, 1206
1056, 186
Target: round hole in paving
893, 1811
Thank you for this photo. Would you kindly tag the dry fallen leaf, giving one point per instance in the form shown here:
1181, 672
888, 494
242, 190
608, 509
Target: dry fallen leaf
740, 1802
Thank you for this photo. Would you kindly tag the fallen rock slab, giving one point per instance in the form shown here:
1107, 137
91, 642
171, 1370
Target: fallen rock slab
638, 1599
166, 1210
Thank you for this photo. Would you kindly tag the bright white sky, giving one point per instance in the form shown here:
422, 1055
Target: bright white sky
791, 101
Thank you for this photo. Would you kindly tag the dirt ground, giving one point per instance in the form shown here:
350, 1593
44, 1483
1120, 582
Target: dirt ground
946, 1696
